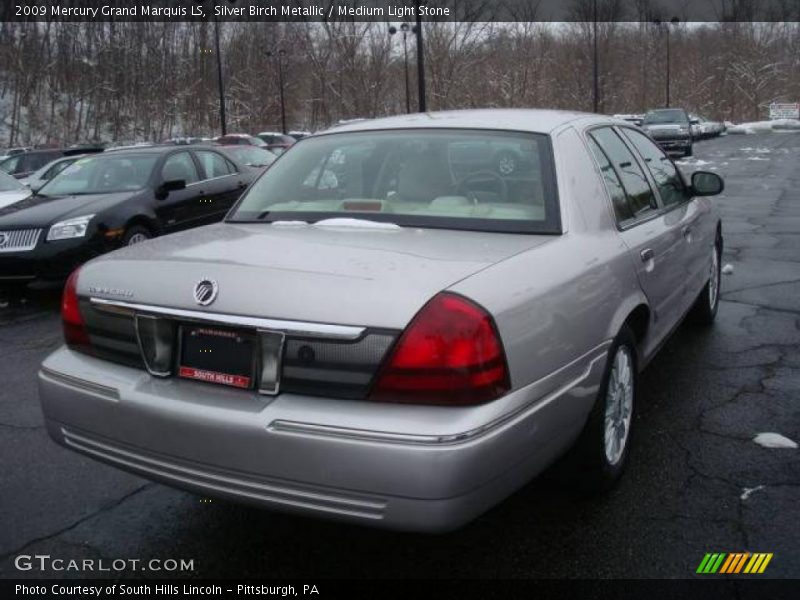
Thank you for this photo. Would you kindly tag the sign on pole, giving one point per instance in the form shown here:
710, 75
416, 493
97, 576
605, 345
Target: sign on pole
784, 110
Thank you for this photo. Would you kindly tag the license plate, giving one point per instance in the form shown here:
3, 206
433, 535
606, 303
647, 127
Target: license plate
221, 356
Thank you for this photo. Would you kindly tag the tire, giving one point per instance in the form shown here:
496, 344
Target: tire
136, 234
704, 309
689, 151
595, 463
506, 163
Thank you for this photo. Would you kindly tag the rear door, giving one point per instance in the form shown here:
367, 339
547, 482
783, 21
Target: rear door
223, 183
690, 214
654, 241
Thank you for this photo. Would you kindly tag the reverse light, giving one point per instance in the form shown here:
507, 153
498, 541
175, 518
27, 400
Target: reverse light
449, 354
75, 334
69, 229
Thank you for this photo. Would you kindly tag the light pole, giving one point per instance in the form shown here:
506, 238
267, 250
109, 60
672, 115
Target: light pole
420, 60
220, 81
659, 23
404, 28
279, 54
595, 71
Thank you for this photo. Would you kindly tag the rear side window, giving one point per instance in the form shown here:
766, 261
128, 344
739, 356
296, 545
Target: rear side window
613, 184
214, 164
641, 199
10, 165
665, 174
35, 162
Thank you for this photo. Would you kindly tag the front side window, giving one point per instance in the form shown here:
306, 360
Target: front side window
641, 199
103, 175
665, 173
180, 166
448, 178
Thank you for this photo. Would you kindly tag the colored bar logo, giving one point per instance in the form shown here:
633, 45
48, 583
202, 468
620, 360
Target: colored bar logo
734, 563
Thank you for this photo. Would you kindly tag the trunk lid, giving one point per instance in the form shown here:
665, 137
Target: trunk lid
373, 277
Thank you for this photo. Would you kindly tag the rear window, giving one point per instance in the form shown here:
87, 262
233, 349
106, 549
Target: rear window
442, 178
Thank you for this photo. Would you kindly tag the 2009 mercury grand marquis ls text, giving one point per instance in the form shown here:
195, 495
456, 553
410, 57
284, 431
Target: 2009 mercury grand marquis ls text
389, 328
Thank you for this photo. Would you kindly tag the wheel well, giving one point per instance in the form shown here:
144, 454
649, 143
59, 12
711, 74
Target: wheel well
639, 321
143, 222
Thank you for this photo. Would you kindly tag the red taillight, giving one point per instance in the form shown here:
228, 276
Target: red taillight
449, 354
75, 334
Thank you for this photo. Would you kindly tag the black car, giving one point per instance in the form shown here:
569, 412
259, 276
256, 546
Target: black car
671, 129
23, 164
110, 200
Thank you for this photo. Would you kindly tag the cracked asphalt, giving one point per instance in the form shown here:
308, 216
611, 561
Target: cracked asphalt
702, 400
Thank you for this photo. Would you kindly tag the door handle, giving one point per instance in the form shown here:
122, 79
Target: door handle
647, 254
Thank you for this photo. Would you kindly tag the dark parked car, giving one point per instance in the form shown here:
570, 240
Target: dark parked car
277, 142
671, 129
24, 164
111, 200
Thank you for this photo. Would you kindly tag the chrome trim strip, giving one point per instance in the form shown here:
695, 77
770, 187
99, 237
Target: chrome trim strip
153, 372
363, 435
293, 328
266, 491
81, 384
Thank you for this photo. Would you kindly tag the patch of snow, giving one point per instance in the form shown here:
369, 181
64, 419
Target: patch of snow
774, 440
765, 126
694, 162
727, 269
357, 224
747, 492
756, 158
289, 224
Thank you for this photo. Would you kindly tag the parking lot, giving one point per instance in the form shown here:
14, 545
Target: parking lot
696, 483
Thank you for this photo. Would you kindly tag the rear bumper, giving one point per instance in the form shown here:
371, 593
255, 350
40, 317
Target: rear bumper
381, 465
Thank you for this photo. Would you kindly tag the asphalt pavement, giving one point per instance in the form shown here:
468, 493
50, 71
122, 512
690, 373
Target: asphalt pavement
696, 483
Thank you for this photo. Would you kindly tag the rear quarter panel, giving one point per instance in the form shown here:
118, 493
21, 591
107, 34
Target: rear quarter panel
559, 302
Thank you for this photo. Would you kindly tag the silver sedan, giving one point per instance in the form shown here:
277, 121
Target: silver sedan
388, 329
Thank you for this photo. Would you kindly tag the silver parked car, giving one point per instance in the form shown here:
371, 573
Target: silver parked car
382, 333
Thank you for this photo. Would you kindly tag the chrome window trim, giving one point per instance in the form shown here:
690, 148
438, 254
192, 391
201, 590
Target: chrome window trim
293, 328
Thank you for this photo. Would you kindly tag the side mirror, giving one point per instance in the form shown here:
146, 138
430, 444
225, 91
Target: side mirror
172, 185
694, 121
707, 184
